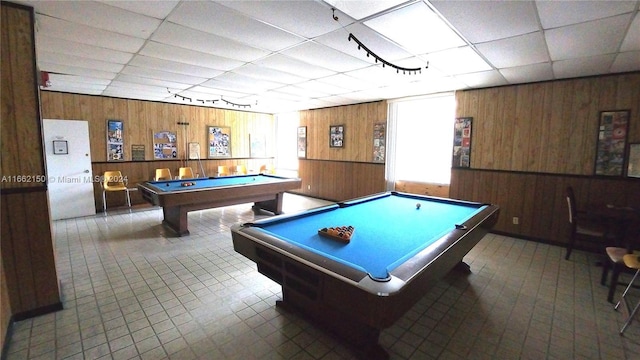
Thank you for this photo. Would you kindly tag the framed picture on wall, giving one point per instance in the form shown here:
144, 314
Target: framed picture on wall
115, 140
194, 151
302, 142
462, 142
257, 146
633, 166
379, 143
165, 145
219, 141
336, 136
612, 142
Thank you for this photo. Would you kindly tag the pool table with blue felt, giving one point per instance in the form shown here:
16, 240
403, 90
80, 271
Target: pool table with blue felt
176, 199
397, 252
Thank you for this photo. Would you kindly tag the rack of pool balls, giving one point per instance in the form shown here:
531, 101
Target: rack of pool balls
187, 183
340, 233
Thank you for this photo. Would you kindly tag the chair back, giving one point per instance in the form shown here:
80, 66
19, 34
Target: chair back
223, 170
162, 174
241, 169
571, 205
113, 180
185, 173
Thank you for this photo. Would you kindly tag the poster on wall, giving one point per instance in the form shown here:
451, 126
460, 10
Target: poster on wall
633, 167
257, 146
165, 145
219, 141
137, 152
194, 151
336, 136
302, 142
612, 142
115, 140
462, 142
379, 144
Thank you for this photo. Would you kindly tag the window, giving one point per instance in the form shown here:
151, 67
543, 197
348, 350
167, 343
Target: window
286, 133
421, 130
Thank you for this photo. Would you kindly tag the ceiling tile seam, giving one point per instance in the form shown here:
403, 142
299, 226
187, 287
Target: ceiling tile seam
544, 41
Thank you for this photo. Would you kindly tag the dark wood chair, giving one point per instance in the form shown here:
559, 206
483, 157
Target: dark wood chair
585, 227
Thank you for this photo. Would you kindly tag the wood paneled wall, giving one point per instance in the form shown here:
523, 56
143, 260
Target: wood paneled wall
142, 118
531, 141
346, 172
27, 271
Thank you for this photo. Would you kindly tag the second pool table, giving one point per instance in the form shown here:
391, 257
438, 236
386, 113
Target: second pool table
356, 289
265, 191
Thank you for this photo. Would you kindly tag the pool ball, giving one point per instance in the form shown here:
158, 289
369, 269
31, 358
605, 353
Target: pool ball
417, 206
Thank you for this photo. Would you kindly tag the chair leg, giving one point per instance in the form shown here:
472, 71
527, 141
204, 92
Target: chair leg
615, 274
623, 300
128, 198
569, 248
104, 201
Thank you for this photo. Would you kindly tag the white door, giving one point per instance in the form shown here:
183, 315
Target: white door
68, 158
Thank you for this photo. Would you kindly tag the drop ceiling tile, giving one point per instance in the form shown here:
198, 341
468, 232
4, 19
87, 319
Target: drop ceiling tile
308, 19
325, 57
481, 21
64, 59
483, 79
75, 70
587, 39
216, 19
626, 61
62, 46
458, 61
347, 82
323, 87
173, 66
206, 92
99, 15
159, 9
300, 90
186, 56
585, 66
359, 9
381, 46
72, 88
151, 82
295, 67
417, 29
631, 41
528, 73
162, 75
265, 73
87, 35
159, 91
516, 51
240, 83
79, 81
561, 13
183, 37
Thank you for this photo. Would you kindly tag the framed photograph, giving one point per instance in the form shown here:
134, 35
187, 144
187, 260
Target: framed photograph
257, 146
219, 141
302, 142
612, 142
165, 145
60, 147
633, 166
379, 143
336, 136
462, 142
194, 151
115, 140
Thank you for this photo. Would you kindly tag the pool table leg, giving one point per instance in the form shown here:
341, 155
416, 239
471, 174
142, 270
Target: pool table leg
274, 205
175, 218
361, 338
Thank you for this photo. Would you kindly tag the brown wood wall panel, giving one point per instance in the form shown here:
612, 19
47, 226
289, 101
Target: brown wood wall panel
414, 187
20, 126
340, 180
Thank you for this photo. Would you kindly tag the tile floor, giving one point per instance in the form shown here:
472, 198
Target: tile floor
131, 290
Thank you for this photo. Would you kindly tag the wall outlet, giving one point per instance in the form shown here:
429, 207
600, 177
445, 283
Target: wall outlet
308, 187
516, 220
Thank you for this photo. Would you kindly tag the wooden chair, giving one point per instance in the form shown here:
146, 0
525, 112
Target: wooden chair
163, 174
632, 261
113, 181
583, 226
223, 170
185, 173
241, 170
267, 169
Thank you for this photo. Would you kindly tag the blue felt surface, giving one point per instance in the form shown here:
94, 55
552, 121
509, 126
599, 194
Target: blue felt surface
388, 231
176, 185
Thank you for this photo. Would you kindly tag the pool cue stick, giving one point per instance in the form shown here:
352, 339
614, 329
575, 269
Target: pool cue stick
184, 137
